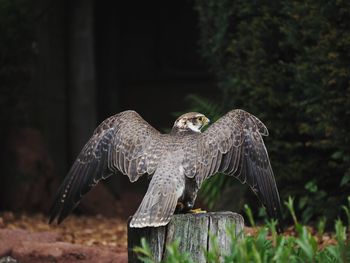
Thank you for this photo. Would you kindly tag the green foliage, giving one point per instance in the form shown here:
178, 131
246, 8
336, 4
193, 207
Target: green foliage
249, 214
290, 206
174, 255
268, 246
288, 63
347, 212
144, 252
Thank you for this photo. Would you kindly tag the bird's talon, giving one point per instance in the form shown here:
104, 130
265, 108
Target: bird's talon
197, 211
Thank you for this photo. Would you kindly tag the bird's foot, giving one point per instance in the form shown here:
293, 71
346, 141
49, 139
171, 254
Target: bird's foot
197, 211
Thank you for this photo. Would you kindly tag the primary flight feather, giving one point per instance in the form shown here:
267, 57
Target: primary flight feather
178, 162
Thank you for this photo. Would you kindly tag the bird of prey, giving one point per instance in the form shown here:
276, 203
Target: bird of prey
178, 162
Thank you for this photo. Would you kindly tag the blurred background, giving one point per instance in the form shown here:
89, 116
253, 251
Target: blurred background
67, 65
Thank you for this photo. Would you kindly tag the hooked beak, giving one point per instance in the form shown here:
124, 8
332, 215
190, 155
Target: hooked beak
205, 122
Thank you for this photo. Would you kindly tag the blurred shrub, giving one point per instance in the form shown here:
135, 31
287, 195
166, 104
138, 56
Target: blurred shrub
288, 62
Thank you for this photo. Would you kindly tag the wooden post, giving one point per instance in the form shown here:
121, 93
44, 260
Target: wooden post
193, 232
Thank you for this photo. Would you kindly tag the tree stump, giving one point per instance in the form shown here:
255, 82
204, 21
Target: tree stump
193, 231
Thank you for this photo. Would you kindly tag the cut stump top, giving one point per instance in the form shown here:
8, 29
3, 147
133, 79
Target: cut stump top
194, 232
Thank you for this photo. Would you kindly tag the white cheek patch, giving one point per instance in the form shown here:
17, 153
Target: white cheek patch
193, 127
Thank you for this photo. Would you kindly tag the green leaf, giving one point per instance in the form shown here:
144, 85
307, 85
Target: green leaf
345, 179
311, 186
337, 155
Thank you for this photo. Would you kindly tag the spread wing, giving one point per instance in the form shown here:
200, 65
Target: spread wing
233, 145
124, 142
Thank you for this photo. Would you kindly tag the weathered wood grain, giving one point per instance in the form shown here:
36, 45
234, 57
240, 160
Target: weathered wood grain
194, 232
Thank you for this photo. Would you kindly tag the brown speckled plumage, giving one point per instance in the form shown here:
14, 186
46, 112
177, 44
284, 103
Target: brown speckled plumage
179, 162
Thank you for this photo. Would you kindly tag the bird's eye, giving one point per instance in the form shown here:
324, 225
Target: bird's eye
200, 118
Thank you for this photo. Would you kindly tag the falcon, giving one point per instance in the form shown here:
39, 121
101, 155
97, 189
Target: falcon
178, 162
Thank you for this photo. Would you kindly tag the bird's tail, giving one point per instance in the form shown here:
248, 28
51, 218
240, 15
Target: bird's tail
157, 206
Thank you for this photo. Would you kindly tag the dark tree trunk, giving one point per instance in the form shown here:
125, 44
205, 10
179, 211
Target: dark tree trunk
194, 232
49, 86
81, 92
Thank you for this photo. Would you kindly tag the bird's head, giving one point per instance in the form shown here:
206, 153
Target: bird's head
192, 121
